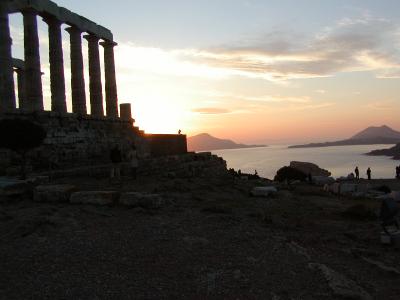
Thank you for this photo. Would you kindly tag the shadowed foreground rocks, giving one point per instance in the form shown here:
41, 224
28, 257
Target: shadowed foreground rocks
205, 238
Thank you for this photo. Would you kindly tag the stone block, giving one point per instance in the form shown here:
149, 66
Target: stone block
346, 188
95, 197
38, 180
13, 187
53, 193
136, 199
263, 191
322, 180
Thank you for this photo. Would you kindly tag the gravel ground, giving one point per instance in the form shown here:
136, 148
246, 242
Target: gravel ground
211, 240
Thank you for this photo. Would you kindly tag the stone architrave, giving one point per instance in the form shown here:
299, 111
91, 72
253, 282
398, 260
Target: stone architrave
57, 78
33, 73
110, 79
95, 86
77, 74
7, 89
21, 89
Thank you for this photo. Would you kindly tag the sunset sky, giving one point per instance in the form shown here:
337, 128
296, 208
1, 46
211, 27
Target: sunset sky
255, 71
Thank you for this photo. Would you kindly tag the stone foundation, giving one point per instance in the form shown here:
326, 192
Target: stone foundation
77, 140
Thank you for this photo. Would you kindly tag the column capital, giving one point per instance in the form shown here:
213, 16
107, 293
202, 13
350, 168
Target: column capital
51, 20
107, 43
73, 29
28, 11
91, 38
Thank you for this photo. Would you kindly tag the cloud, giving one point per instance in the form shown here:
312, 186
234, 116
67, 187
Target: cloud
381, 105
365, 44
211, 111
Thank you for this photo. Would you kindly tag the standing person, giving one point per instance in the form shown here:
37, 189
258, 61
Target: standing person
116, 159
369, 173
398, 172
132, 157
357, 172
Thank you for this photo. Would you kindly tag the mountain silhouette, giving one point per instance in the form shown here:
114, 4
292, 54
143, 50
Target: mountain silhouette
377, 132
369, 136
206, 142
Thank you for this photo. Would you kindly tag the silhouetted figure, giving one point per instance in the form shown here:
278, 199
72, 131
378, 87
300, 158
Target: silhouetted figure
255, 173
116, 159
239, 172
133, 159
357, 172
179, 131
398, 172
369, 173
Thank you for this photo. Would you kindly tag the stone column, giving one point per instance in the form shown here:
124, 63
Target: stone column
95, 87
126, 112
111, 81
77, 75
33, 73
21, 89
57, 79
7, 89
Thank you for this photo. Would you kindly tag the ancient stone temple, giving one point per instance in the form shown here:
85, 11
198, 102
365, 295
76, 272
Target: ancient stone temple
76, 137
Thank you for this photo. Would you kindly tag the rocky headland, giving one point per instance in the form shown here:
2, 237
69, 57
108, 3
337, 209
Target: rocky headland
207, 142
193, 232
369, 136
394, 152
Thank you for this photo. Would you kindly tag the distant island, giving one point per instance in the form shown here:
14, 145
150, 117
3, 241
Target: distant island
369, 136
206, 142
394, 152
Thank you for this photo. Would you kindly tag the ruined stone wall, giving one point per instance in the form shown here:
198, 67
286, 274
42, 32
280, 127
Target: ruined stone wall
77, 140
186, 165
167, 144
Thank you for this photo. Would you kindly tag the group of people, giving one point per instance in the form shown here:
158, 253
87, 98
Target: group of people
357, 173
117, 158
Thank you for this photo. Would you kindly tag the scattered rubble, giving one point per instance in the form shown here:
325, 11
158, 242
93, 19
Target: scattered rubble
95, 197
340, 284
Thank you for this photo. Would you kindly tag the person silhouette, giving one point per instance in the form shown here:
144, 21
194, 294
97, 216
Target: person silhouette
133, 159
116, 159
398, 172
179, 131
357, 172
369, 173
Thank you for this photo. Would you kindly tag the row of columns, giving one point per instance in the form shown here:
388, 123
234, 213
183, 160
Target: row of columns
33, 90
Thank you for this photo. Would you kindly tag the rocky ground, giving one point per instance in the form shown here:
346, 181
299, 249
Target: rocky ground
208, 239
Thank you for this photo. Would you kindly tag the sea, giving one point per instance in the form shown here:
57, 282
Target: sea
339, 160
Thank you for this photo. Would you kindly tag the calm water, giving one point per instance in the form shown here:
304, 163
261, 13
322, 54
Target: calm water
340, 161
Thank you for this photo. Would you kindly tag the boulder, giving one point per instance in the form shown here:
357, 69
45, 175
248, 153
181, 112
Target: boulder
309, 168
136, 199
53, 193
13, 187
263, 191
289, 174
95, 197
